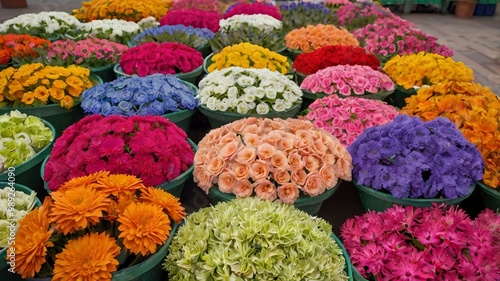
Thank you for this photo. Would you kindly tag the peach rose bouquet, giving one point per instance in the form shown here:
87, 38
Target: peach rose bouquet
272, 159
312, 37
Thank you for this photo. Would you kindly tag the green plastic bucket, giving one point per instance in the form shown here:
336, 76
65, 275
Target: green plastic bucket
188, 77
106, 72
220, 118
380, 201
398, 97
27, 173
357, 276
205, 50
18, 187
491, 197
348, 265
310, 205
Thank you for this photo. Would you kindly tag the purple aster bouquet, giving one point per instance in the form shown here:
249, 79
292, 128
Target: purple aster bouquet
436, 243
155, 94
410, 158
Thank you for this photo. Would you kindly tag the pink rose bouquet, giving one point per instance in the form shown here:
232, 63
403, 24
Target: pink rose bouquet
165, 58
347, 118
254, 8
271, 158
436, 243
349, 80
149, 147
387, 37
202, 5
90, 53
192, 17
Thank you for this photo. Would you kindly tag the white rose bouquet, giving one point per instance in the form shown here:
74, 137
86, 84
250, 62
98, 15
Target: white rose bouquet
117, 30
248, 91
47, 25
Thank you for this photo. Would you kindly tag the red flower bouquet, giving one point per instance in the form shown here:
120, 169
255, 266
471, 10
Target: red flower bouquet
20, 46
164, 58
193, 17
202, 5
309, 63
149, 147
254, 9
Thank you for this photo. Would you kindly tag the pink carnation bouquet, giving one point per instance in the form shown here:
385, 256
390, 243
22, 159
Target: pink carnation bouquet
272, 159
192, 17
254, 8
149, 147
349, 80
436, 243
347, 118
165, 58
202, 5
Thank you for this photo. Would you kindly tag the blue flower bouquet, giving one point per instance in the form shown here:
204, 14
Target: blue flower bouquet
409, 158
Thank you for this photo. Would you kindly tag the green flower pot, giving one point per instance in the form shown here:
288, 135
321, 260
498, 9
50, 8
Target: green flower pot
348, 265
106, 72
491, 197
18, 187
205, 50
398, 98
310, 205
292, 54
188, 76
380, 201
220, 118
357, 276
27, 172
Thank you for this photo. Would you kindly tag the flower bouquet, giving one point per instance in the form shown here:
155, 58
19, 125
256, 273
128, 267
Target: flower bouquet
192, 17
46, 25
196, 38
149, 147
436, 243
275, 159
247, 55
476, 112
232, 93
16, 48
114, 30
202, 5
300, 14
254, 8
262, 30
98, 227
129, 10
231, 246
348, 80
336, 4
423, 69
165, 58
358, 15
347, 118
312, 37
409, 158
387, 37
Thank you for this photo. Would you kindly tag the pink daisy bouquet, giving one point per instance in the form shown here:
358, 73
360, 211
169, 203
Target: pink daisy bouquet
436, 243
349, 80
347, 118
192, 17
165, 58
387, 37
254, 8
272, 159
149, 147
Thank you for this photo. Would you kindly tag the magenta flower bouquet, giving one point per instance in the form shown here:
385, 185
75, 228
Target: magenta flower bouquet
192, 17
349, 80
90, 53
347, 118
149, 147
254, 8
357, 15
436, 243
202, 5
165, 58
387, 37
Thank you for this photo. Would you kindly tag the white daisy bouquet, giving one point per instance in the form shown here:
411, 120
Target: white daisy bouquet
117, 30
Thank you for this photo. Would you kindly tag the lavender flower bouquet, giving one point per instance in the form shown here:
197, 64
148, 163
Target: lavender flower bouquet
410, 158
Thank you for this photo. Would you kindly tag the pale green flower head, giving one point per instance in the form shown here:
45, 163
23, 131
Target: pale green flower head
25, 202
4, 233
17, 116
253, 239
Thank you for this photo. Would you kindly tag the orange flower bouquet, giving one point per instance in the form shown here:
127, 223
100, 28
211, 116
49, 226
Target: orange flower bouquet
20, 47
94, 228
312, 37
129, 10
289, 160
476, 112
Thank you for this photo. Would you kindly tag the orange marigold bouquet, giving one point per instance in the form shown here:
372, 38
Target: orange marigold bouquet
476, 112
20, 46
129, 10
312, 37
35, 85
94, 226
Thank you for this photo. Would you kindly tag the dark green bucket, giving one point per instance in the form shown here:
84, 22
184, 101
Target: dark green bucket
181, 118
357, 276
188, 76
348, 265
398, 97
491, 197
106, 73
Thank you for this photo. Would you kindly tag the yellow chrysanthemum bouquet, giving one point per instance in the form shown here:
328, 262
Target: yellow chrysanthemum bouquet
129, 10
247, 55
95, 228
35, 85
476, 112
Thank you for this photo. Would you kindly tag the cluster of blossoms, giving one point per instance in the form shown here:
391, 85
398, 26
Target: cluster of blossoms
20, 47
254, 8
47, 25
263, 23
357, 15
196, 38
312, 37
115, 30
192, 17
129, 10
299, 14
202, 5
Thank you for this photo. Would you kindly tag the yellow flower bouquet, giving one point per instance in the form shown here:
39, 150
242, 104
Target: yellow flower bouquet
96, 228
129, 10
476, 112
35, 85
247, 55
